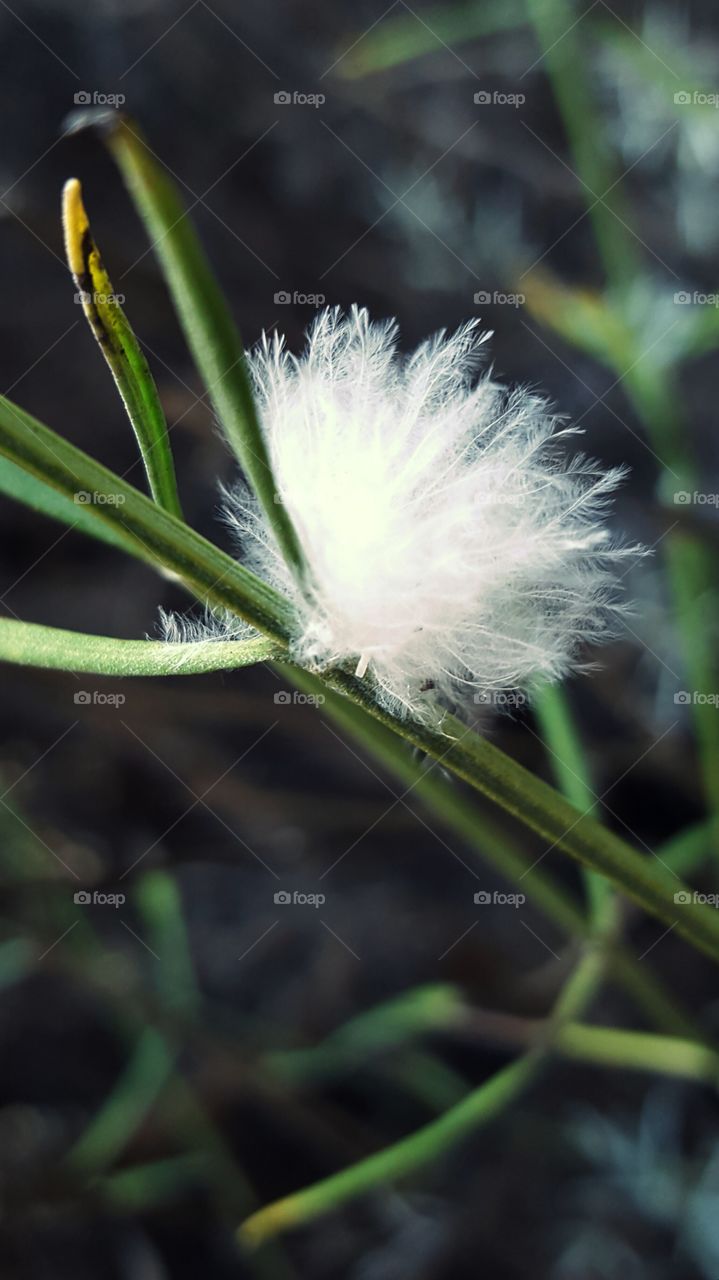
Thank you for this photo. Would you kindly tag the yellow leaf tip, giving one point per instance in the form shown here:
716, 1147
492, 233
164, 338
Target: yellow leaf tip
75, 224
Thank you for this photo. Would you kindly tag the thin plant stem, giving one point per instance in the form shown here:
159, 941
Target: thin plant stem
690, 568
425, 1146
152, 532
563, 744
443, 798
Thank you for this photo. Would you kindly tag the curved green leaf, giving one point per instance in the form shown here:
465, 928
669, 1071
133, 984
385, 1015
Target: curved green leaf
209, 328
122, 351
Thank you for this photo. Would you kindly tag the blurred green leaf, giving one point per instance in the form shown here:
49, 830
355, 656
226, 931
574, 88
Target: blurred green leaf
584, 318
160, 906
16, 960
144, 1186
140, 1083
398, 40
386, 1026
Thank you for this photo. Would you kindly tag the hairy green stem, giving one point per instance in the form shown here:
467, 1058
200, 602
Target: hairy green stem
216, 578
31, 645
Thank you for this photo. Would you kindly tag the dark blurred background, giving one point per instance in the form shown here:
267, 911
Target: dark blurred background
425, 166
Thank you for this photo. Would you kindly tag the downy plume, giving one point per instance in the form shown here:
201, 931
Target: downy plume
453, 551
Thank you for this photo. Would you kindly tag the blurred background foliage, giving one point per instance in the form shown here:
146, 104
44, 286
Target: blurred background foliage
167, 1066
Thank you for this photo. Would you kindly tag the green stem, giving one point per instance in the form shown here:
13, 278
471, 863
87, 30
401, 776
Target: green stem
617, 1047
31, 645
393, 1162
557, 31
150, 1066
209, 328
563, 743
425, 1146
215, 577
431, 788
650, 389
146, 529
535, 804
394, 1023
440, 795
692, 574
686, 852
639, 1051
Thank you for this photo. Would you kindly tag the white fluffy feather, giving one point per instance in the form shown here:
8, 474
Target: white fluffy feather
449, 543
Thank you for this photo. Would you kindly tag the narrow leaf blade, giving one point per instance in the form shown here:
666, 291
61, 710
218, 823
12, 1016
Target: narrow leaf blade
147, 530
27, 489
209, 328
121, 349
